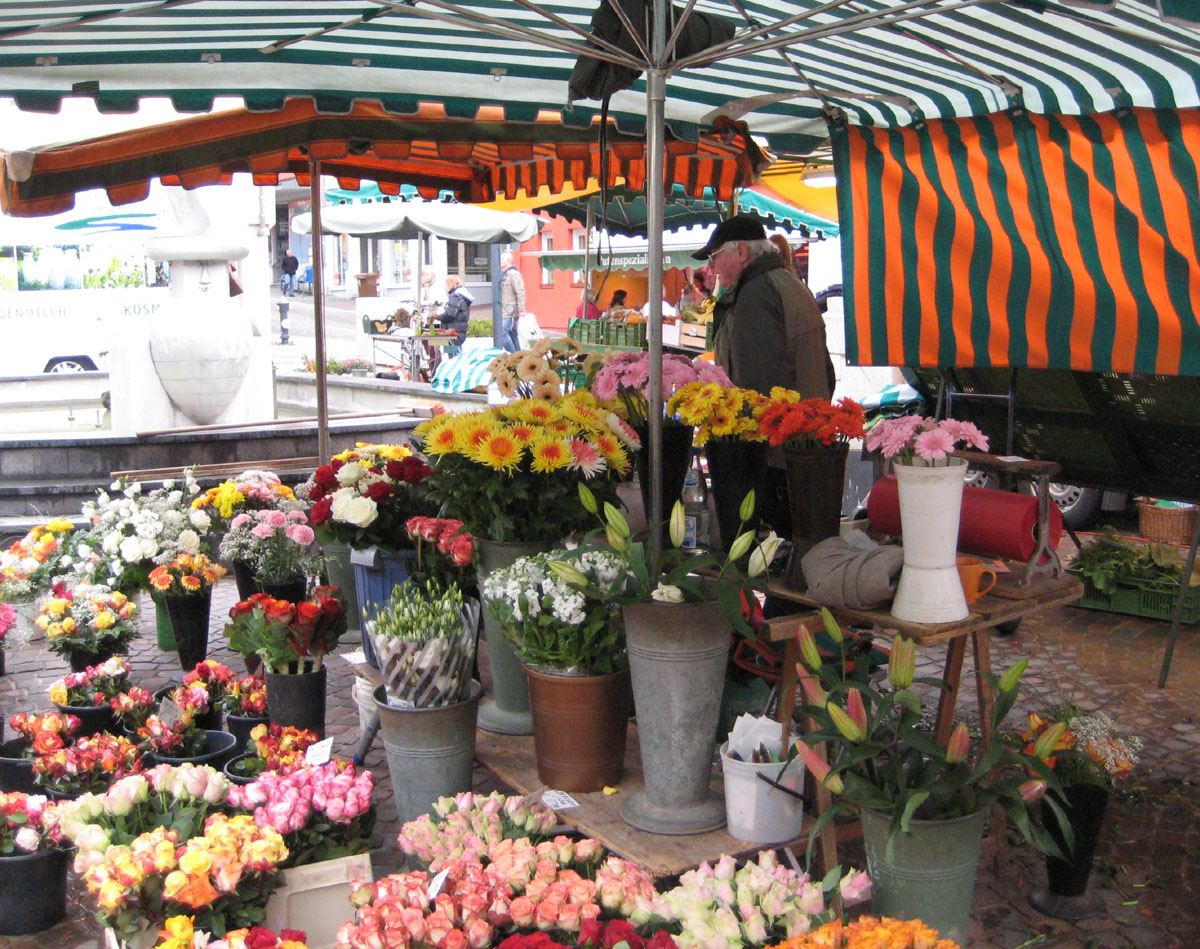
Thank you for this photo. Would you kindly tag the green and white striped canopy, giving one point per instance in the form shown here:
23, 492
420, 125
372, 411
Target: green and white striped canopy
882, 62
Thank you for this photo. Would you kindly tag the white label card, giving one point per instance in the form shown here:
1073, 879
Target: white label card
356, 658
1011, 458
169, 713
436, 884
558, 800
319, 752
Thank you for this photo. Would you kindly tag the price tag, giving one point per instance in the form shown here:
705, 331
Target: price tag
169, 713
436, 884
319, 753
356, 658
1011, 458
558, 800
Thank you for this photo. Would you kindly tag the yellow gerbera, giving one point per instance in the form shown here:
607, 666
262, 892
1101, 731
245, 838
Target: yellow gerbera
549, 454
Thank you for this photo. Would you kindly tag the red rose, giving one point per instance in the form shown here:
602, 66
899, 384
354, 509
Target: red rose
591, 931
259, 938
46, 742
661, 940
336, 465
278, 610
619, 931
324, 477
378, 490
320, 512
293, 935
413, 470
395, 470
307, 612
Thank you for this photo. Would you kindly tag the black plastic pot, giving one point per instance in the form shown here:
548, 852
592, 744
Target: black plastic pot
189, 624
209, 721
297, 699
240, 727
219, 747
33, 891
80, 659
232, 774
294, 590
16, 771
243, 577
93, 719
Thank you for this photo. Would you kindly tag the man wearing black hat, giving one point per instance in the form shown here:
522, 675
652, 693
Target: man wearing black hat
768, 332
768, 328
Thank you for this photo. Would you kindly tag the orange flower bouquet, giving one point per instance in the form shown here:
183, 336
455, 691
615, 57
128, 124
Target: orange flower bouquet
795, 422
187, 574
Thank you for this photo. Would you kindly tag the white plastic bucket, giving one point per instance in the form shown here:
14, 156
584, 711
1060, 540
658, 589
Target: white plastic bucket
756, 812
364, 698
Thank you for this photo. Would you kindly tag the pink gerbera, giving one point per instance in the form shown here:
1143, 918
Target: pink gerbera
933, 444
966, 432
585, 457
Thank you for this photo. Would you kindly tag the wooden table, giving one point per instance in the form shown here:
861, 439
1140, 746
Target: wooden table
510, 759
409, 351
1009, 600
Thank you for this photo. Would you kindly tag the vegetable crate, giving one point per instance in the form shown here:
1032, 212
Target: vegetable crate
1153, 601
584, 331
626, 334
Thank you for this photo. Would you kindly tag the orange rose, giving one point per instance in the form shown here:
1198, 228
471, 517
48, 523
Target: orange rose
45, 742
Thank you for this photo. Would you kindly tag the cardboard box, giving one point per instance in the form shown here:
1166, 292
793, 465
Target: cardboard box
316, 898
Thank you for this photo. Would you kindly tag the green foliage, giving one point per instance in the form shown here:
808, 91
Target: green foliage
1111, 560
116, 276
479, 327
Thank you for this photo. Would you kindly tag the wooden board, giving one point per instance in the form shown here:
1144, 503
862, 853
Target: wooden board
510, 759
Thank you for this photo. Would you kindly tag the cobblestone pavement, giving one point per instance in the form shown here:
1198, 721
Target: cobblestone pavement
1148, 862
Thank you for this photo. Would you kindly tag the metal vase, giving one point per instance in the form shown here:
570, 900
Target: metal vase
677, 657
931, 873
507, 711
430, 751
930, 589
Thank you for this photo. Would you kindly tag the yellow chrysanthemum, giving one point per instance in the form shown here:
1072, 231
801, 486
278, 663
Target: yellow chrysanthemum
538, 412
498, 450
613, 451
523, 432
549, 454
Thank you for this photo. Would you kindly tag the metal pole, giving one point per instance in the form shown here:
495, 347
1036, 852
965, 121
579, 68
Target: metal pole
1185, 579
324, 451
656, 97
589, 223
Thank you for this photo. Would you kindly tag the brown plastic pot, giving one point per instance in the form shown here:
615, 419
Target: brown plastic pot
579, 728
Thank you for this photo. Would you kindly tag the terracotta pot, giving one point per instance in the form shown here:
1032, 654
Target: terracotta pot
579, 728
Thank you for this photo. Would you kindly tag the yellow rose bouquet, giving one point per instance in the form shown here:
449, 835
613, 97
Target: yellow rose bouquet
88, 619
512, 472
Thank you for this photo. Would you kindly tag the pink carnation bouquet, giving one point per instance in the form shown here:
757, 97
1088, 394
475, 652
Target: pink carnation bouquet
625, 380
279, 545
914, 440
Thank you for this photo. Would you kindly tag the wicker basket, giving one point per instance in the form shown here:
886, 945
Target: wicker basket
1166, 525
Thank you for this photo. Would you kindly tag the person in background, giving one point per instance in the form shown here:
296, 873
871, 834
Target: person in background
618, 300
512, 301
785, 251
668, 308
768, 332
290, 264
695, 292
589, 310
457, 313
432, 296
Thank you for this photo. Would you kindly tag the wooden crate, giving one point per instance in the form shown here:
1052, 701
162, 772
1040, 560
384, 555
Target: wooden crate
694, 335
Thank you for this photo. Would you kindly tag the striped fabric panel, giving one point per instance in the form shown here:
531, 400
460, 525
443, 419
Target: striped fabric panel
1024, 240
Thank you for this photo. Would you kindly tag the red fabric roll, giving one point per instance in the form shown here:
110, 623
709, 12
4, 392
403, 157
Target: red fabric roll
997, 523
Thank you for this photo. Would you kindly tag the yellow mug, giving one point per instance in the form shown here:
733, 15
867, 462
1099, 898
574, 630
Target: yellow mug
971, 571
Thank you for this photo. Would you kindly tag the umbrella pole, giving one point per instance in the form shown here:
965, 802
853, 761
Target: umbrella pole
314, 185
656, 96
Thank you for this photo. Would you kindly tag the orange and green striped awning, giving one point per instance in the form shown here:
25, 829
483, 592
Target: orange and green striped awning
1015, 239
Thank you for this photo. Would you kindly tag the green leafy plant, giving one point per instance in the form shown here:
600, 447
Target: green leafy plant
479, 327
1110, 560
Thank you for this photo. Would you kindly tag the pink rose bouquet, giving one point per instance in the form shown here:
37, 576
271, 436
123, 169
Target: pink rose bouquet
913, 440
321, 812
95, 686
28, 824
468, 823
444, 550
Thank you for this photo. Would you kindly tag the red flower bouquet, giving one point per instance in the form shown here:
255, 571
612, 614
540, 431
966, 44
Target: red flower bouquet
794, 422
288, 634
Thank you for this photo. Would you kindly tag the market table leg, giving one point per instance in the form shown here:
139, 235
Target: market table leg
981, 643
955, 650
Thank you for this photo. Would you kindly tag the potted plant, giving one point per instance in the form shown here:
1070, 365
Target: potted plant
87, 624
726, 424
87, 694
623, 381
185, 585
425, 639
573, 649
92, 763
132, 707
922, 804
35, 735
292, 639
1089, 758
814, 435
271, 748
677, 627
245, 706
205, 875
176, 734
510, 474
279, 546
930, 484
362, 499
33, 865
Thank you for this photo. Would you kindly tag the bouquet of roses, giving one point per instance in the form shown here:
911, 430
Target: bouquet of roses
89, 619
177, 798
287, 634
188, 574
444, 550
518, 862
625, 380
278, 749
96, 685
132, 530
468, 824
216, 677
28, 565
868, 932
91, 764
133, 707
364, 496
322, 812
792, 421
28, 823
179, 932
223, 876
717, 411
598, 934
43, 734
252, 490
181, 738
277, 544
512, 472
246, 697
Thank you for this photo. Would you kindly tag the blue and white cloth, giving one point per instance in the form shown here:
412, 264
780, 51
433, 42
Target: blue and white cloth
466, 371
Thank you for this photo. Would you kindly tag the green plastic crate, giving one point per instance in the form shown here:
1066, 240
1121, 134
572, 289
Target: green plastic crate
626, 334
584, 331
1155, 602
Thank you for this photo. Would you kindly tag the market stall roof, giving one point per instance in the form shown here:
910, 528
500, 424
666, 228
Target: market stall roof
403, 220
625, 212
881, 62
476, 160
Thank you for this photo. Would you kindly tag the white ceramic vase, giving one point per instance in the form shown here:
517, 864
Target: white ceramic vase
930, 590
